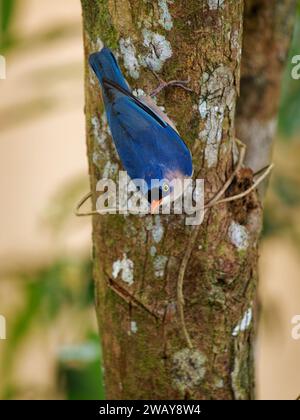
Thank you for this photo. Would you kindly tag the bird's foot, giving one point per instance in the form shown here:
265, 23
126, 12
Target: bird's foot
163, 84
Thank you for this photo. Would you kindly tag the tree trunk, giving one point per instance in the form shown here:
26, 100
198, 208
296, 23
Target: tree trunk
267, 33
137, 260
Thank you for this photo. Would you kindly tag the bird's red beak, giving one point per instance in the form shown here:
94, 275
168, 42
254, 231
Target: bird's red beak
155, 205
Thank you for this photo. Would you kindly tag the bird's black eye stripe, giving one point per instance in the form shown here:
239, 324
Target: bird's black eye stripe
155, 194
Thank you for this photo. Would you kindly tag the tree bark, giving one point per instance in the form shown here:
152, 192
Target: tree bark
137, 259
267, 34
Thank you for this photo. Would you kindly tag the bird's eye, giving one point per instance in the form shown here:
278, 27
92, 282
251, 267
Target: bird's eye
165, 188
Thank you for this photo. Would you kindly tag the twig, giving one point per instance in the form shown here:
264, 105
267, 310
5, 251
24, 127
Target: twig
246, 192
81, 203
180, 296
129, 298
92, 212
163, 84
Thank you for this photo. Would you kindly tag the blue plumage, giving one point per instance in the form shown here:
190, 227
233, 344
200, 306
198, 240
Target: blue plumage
148, 146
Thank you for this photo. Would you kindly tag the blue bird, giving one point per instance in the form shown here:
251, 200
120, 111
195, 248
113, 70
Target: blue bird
146, 140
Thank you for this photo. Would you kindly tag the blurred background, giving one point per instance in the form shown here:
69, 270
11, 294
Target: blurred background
46, 291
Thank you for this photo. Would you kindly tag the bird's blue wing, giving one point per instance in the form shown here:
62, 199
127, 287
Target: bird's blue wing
114, 90
147, 146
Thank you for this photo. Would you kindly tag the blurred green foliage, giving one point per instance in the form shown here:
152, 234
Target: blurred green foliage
7, 8
80, 370
65, 286
283, 204
289, 121
47, 293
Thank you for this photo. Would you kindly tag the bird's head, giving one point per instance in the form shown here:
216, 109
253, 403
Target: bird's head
166, 191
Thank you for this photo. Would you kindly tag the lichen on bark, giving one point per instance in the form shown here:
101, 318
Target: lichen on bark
203, 42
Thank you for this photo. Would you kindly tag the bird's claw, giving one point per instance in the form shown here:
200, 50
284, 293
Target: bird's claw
163, 84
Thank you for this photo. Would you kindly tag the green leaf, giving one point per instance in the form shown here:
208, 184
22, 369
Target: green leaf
7, 8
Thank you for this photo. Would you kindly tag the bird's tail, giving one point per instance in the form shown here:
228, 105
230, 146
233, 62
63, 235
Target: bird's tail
105, 66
